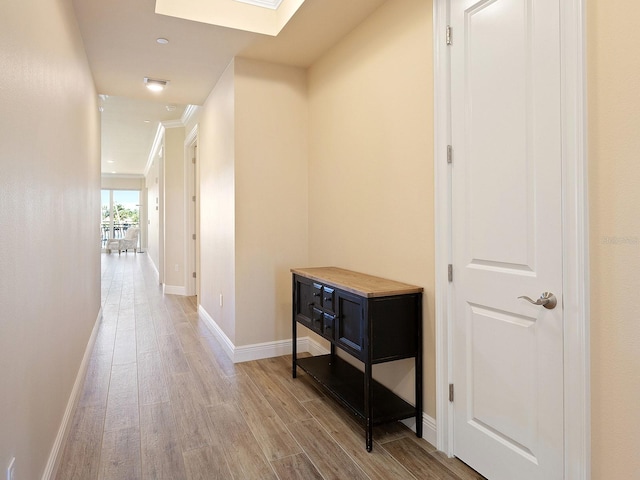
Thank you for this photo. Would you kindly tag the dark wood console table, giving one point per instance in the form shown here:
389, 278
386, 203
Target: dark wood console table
372, 319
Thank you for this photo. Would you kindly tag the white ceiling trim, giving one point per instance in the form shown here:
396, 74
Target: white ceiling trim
122, 175
155, 148
157, 141
188, 113
272, 4
172, 123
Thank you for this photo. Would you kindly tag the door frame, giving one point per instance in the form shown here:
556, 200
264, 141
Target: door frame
577, 399
191, 212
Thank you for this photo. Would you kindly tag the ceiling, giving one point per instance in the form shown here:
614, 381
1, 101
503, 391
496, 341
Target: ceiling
120, 40
129, 127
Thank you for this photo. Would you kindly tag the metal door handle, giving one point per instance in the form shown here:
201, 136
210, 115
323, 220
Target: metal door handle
547, 300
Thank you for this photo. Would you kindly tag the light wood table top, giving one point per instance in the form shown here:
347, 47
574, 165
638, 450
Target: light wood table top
357, 283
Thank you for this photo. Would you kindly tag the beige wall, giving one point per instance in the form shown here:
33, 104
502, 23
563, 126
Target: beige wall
371, 198
217, 203
271, 195
253, 194
174, 213
109, 182
614, 192
50, 205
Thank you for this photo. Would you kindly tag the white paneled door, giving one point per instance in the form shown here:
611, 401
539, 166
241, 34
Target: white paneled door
507, 237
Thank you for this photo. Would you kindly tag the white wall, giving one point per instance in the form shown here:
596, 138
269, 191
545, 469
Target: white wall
49, 211
118, 182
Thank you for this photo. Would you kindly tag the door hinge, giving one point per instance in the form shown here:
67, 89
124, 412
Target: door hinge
450, 272
193, 236
193, 160
451, 392
449, 35
193, 199
449, 154
193, 274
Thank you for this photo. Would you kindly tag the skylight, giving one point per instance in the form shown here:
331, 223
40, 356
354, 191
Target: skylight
272, 4
259, 16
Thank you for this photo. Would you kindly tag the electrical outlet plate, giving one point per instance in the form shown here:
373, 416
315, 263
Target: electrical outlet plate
11, 469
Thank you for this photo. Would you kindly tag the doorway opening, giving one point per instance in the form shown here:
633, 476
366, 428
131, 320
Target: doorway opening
120, 211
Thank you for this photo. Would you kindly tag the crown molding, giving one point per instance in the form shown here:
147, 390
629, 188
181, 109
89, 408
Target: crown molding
155, 148
189, 112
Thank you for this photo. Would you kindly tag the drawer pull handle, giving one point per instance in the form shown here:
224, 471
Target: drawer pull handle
316, 294
328, 299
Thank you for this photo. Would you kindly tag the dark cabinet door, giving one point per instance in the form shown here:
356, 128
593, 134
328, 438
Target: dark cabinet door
303, 302
349, 323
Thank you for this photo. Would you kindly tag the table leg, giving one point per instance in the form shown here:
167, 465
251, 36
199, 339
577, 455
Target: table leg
368, 406
294, 349
418, 369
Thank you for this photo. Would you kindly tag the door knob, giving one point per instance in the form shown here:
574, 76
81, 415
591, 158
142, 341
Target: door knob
547, 300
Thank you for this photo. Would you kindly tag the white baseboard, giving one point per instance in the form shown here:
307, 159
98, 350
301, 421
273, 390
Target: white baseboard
226, 343
58, 445
155, 268
428, 427
310, 345
258, 351
174, 290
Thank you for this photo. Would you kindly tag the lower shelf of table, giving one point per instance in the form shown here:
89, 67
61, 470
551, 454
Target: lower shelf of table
346, 384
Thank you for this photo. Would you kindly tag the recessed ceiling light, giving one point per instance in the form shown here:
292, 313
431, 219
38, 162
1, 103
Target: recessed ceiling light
162, 41
155, 85
170, 108
147, 121
110, 161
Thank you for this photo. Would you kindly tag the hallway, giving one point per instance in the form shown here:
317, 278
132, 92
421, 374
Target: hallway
163, 401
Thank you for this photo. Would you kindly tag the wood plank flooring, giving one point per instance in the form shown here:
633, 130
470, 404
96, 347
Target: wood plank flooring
163, 401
